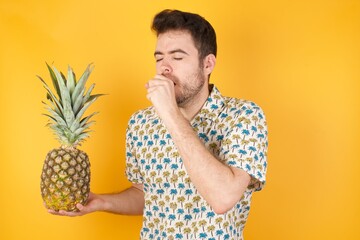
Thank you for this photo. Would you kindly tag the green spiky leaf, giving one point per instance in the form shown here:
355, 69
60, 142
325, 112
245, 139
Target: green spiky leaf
83, 109
82, 81
70, 83
54, 80
51, 94
88, 93
67, 105
85, 119
66, 99
78, 102
55, 115
94, 97
54, 107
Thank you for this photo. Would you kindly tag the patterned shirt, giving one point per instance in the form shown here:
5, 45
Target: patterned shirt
233, 130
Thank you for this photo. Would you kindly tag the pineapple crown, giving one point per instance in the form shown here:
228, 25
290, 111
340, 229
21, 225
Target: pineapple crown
67, 107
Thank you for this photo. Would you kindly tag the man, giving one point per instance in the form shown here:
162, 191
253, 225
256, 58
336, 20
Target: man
194, 157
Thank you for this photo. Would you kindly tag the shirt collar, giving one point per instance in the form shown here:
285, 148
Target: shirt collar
213, 105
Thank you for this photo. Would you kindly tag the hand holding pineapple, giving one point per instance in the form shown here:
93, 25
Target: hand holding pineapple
94, 203
65, 178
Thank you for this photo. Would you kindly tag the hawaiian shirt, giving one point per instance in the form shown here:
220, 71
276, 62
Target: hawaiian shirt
234, 130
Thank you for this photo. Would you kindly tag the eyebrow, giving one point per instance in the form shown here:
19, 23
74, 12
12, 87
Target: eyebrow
171, 52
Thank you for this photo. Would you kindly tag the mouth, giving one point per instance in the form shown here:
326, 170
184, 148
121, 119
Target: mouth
172, 78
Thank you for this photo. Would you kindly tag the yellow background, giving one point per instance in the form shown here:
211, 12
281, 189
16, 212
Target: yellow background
299, 60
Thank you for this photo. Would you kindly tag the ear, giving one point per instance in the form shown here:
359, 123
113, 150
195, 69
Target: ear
209, 63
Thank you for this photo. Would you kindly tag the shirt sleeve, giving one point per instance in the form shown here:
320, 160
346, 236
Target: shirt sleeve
245, 145
132, 170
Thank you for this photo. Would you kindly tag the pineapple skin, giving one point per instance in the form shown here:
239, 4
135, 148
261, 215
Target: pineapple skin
65, 179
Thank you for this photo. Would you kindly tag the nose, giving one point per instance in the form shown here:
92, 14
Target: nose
165, 71
164, 68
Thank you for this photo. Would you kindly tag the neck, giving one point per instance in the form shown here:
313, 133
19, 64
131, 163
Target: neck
191, 108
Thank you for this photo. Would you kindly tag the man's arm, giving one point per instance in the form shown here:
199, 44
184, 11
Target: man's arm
127, 202
220, 185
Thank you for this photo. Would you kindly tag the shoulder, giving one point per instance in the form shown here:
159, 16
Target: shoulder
146, 113
242, 107
142, 116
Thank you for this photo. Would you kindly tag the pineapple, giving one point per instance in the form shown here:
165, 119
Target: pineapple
65, 178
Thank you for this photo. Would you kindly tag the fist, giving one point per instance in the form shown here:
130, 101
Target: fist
161, 93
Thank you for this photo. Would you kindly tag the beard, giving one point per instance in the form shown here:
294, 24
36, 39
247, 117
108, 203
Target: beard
187, 91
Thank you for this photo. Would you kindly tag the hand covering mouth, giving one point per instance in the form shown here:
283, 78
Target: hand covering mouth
173, 79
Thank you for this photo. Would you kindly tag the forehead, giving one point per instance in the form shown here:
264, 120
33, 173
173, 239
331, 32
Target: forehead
175, 39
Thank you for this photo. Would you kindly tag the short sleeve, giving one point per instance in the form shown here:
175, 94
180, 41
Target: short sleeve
132, 170
245, 145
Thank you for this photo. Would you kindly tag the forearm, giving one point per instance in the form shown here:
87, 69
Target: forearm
127, 202
217, 183
220, 185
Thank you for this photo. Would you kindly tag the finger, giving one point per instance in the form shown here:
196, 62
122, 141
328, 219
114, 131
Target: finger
58, 213
156, 83
68, 214
153, 91
153, 83
80, 207
161, 77
52, 212
148, 96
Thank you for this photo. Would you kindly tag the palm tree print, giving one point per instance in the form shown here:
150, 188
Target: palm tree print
187, 231
210, 215
233, 130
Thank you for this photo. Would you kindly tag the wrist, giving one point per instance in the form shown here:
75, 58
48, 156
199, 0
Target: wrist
103, 204
172, 117
177, 125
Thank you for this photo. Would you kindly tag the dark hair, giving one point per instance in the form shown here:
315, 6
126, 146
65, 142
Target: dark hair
202, 32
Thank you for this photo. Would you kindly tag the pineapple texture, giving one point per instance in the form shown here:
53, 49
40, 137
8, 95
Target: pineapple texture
65, 179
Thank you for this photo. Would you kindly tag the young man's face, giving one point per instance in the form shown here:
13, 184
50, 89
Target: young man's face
177, 59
